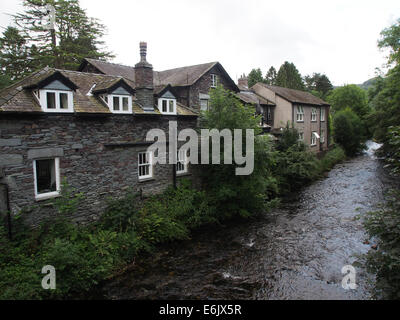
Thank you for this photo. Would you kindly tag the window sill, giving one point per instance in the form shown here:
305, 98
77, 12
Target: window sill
47, 196
146, 180
183, 174
300, 121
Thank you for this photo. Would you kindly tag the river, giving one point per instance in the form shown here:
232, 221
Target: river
294, 252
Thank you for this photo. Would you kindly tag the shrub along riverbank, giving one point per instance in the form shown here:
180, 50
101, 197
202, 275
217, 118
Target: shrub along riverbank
86, 255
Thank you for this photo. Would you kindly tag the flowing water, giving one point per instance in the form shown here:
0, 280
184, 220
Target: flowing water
296, 252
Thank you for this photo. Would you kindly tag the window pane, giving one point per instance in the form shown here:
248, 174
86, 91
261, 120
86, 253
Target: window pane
164, 106
116, 103
63, 101
171, 106
51, 100
46, 176
203, 104
125, 104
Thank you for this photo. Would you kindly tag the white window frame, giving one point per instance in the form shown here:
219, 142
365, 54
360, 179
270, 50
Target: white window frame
110, 103
43, 101
214, 80
299, 114
149, 163
48, 195
301, 136
183, 160
313, 114
322, 114
314, 137
160, 102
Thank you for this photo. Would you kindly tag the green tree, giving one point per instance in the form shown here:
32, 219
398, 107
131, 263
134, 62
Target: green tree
289, 77
350, 96
254, 77
348, 131
390, 38
14, 57
270, 77
76, 36
237, 195
318, 84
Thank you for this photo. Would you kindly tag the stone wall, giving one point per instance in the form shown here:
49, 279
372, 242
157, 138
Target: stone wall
204, 85
94, 158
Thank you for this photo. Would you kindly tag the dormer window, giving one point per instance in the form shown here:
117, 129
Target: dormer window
167, 106
56, 100
120, 103
214, 80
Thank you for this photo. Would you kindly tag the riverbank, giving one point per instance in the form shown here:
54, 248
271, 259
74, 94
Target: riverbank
85, 256
294, 252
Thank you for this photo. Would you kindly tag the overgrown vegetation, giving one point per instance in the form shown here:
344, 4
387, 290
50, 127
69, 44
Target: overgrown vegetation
349, 131
384, 99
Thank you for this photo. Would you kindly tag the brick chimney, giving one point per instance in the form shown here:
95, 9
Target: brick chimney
144, 80
242, 82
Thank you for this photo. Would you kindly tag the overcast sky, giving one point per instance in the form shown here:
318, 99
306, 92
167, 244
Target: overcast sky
337, 37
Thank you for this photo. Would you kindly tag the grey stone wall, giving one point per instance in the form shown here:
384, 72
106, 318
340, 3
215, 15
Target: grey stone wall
88, 164
189, 96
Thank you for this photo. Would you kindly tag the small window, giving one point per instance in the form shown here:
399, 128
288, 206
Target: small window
47, 178
145, 166
51, 100
301, 136
182, 165
300, 114
314, 139
313, 114
204, 104
322, 114
56, 101
116, 103
214, 81
119, 103
167, 106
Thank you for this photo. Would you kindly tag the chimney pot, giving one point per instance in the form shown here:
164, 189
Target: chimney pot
143, 51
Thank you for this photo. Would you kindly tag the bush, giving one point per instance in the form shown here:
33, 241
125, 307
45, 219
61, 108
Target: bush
385, 262
331, 158
349, 131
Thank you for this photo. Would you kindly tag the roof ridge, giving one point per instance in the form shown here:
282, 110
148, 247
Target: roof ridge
194, 65
114, 63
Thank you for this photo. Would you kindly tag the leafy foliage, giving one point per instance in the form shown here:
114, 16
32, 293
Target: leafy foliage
289, 77
254, 77
390, 39
349, 131
234, 195
350, 96
385, 262
32, 45
318, 84
270, 77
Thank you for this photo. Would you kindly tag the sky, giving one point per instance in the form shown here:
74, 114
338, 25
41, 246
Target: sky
336, 37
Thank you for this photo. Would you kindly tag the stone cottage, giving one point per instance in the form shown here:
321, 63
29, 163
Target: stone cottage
89, 127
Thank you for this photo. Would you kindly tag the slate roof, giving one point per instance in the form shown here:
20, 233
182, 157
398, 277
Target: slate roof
253, 98
295, 96
178, 77
20, 98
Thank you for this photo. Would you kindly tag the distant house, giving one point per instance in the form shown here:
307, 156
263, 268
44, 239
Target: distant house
190, 85
90, 129
263, 106
307, 113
